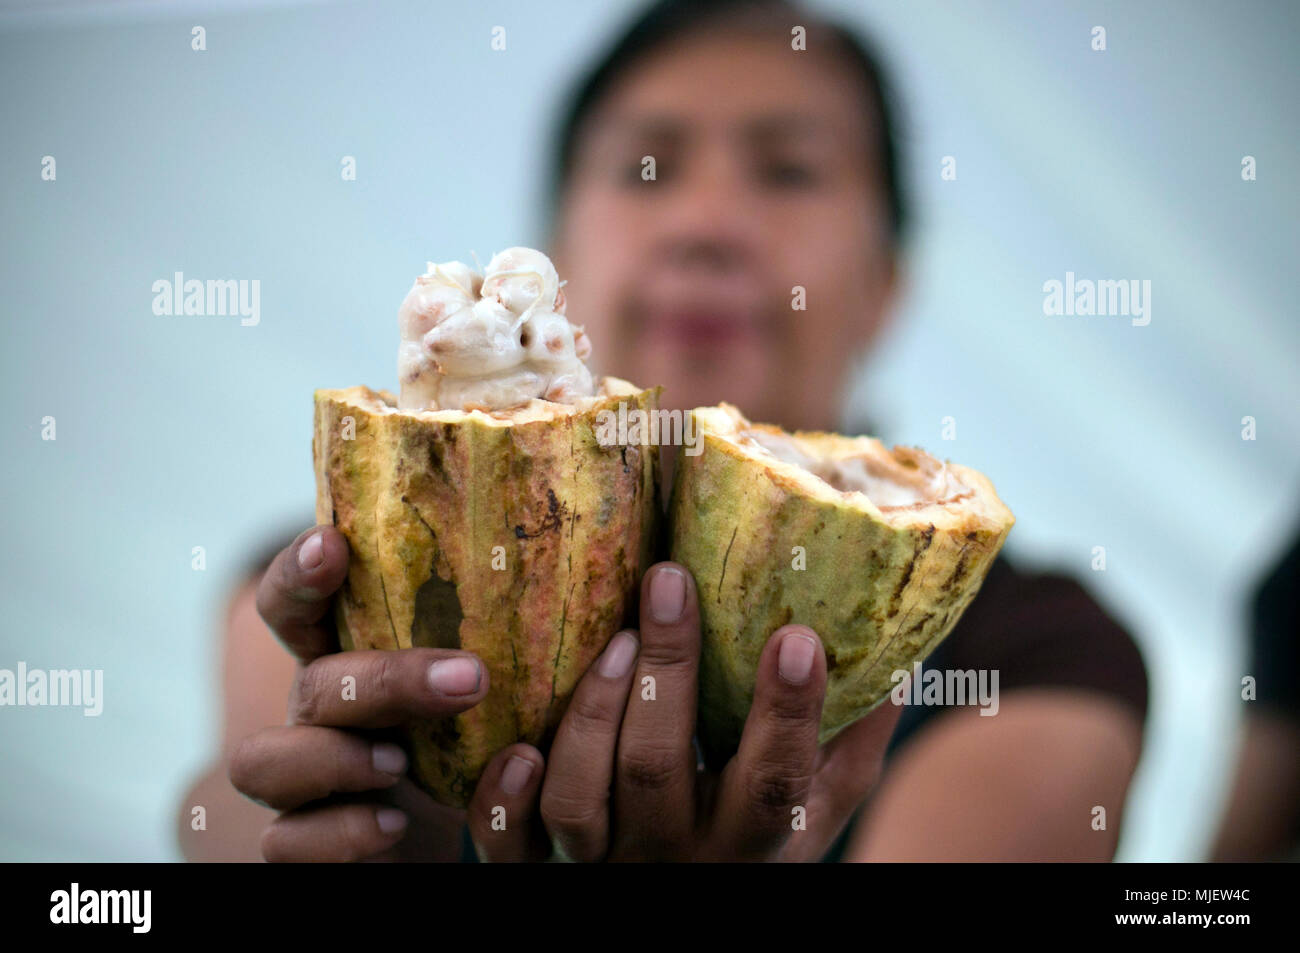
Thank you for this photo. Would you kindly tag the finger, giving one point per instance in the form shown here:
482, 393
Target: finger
436, 829
770, 778
849, 765
575, 795
296, 593
286, 767
654, 786
852, 761
333, 833
378, 688
504, 820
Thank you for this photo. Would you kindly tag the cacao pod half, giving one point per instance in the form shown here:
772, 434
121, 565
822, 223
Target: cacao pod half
878, 551
512, 534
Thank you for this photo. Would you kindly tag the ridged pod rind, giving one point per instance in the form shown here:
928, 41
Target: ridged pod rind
523, 542
769, 547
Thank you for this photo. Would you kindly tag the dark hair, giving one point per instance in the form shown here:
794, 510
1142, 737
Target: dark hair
669, 20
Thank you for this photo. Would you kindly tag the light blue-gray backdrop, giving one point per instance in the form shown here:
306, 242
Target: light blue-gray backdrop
182, 432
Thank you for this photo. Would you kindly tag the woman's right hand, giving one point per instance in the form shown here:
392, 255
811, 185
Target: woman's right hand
333, 771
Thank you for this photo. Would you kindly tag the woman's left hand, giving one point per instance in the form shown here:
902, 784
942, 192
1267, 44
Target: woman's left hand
622, 781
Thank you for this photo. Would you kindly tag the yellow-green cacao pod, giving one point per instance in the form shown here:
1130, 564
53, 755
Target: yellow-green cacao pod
878, 551
514, 535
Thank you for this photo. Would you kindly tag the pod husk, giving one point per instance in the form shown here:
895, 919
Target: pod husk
517, 537
881, 587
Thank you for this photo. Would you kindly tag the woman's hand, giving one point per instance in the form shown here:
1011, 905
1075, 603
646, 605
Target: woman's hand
332, 772
622, 781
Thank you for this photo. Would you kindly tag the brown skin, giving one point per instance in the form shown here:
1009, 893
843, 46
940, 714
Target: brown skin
762, 185
780, 798
687, 282
257, 673
313, 783
1020, 786
1262, 814
318, 773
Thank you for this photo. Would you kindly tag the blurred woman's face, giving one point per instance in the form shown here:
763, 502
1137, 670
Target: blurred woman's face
765, 181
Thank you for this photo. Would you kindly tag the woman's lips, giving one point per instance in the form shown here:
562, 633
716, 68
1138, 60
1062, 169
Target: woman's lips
695, 327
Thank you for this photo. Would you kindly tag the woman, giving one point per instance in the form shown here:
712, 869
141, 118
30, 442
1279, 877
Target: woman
773, 168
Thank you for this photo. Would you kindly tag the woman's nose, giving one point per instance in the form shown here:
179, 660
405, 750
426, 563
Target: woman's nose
709, 210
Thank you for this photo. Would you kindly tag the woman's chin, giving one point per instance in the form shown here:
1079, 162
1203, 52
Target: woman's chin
688, 393
742, 377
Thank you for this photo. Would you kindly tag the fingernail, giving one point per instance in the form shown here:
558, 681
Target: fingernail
388, 758
390, 819
311, 553
618, 656
667, 595
454, 676
795, 661
515, 776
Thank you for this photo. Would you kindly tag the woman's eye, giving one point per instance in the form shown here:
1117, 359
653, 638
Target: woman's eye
631, 173
788, 174
641, 170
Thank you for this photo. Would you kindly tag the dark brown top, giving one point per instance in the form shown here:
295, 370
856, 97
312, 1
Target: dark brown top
1035, 629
